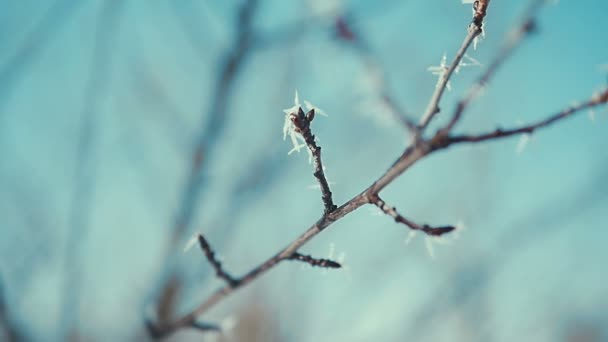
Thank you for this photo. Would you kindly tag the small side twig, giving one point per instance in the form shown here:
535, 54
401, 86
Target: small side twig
324, 263
216, 264
425, 228
599, 99
301, 124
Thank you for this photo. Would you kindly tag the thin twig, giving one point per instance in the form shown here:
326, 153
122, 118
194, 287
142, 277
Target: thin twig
323, 263
432, 108
392, 212
513, 41
409, 157
216, 264
599, 99
301, 123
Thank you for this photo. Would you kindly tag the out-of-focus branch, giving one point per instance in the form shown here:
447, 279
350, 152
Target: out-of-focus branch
425, 228
432, 108
211, 131
216, 117
513, 41
86, 166
346, 32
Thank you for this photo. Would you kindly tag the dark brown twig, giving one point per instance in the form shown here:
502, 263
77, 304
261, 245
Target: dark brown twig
301, 124
599, 99
513, 41
392, 212
324, 263
432, 108
216, 264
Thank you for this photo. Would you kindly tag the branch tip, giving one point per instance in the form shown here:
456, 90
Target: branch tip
216, 264
323, 263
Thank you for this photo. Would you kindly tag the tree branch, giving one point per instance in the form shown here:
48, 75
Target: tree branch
513, 41
392, 212
301, 124
216, 264
323, 263
598, 99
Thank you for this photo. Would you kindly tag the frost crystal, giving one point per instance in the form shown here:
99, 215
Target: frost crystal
440, 70
429, 246
289, 129
522, 143
410, 237
191, 242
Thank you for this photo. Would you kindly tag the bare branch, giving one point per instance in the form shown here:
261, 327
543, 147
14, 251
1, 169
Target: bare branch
216, 264
392, 212
323, 263
599, 99
513, 41
432, 108
301, 123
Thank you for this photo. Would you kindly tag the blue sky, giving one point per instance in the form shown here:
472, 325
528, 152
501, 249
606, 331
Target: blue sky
143, 74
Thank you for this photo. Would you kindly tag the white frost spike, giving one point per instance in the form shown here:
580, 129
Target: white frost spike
522, 143
375, 211
296, 99
591, 115
410, 237
332, 250
341, 258
310, 106
191, 242
228, 323
318, 187
460, 227
289, 129
429, 246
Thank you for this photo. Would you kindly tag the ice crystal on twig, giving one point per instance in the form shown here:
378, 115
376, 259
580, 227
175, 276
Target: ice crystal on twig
289, 128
